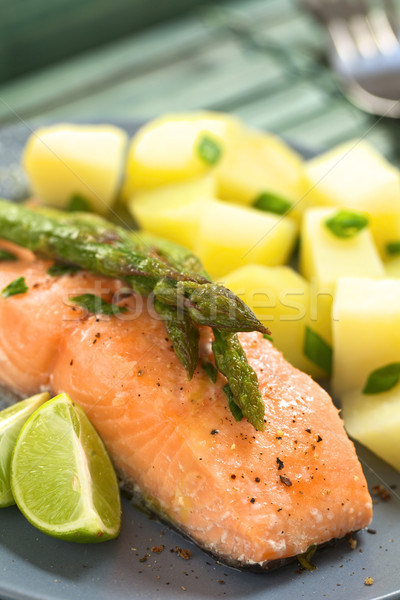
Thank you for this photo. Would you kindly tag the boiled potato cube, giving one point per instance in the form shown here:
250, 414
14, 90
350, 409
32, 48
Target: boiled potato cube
374, 420
355, 176
81, 163
280, 298
176, 147
173, 211
258, 164
231, 236
325, 257
366, 330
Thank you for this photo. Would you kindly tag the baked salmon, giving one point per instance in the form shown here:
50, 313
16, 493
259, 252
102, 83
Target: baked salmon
252, 498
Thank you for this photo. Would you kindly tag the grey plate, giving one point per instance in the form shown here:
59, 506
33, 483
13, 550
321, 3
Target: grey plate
34, 566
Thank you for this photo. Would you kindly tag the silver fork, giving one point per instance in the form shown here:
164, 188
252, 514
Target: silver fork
365, 51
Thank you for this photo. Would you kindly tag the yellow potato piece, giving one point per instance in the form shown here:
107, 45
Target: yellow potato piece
173, 211
374, 420
366, 330
259, 163
166, 150
280, 298
354, 175
63, 161
324, 258
231, 236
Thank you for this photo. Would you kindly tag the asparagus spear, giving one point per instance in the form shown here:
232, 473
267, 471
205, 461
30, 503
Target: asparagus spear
110, 250
207, 304
231, 360
178, 257
183, 334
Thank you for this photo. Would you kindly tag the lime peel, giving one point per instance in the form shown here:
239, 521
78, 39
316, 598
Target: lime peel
12, 420
62, 477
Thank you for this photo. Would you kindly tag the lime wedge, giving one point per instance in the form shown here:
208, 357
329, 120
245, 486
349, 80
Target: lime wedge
11, 422
62, 478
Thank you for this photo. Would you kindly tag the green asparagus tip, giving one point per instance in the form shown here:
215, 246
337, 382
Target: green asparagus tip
209, 304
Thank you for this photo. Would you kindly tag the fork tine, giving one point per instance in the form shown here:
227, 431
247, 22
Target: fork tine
342, 39
350, 30
383, 32
363, 37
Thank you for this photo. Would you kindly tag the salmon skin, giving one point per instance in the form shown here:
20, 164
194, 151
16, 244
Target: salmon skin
251, 498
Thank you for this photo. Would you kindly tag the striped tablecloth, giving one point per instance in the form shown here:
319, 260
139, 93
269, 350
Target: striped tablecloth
264, 60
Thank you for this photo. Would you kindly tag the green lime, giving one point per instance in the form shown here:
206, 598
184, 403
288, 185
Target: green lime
11, 422
62, 478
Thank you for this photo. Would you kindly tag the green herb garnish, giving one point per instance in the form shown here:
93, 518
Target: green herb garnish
266, 336
318, 351
272, 203
393, 248
211, 370
233, 407
382, 379
347, 223
209, 150
18, 286
305, 558
59, 269
78, 203
5, 255
96, 305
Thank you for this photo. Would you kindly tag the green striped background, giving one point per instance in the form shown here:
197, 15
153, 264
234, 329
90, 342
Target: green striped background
264, 60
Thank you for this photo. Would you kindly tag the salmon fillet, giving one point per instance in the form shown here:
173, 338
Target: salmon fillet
251, 498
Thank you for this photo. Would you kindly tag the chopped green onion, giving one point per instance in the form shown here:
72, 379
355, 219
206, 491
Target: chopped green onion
96, 305
382, 379
211, 371
393, 247
5, 255
233, 407
317, 350
18, 286
305, 558
266, 336
78, 203
347, 223
59, 269
209, 150
272, 203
